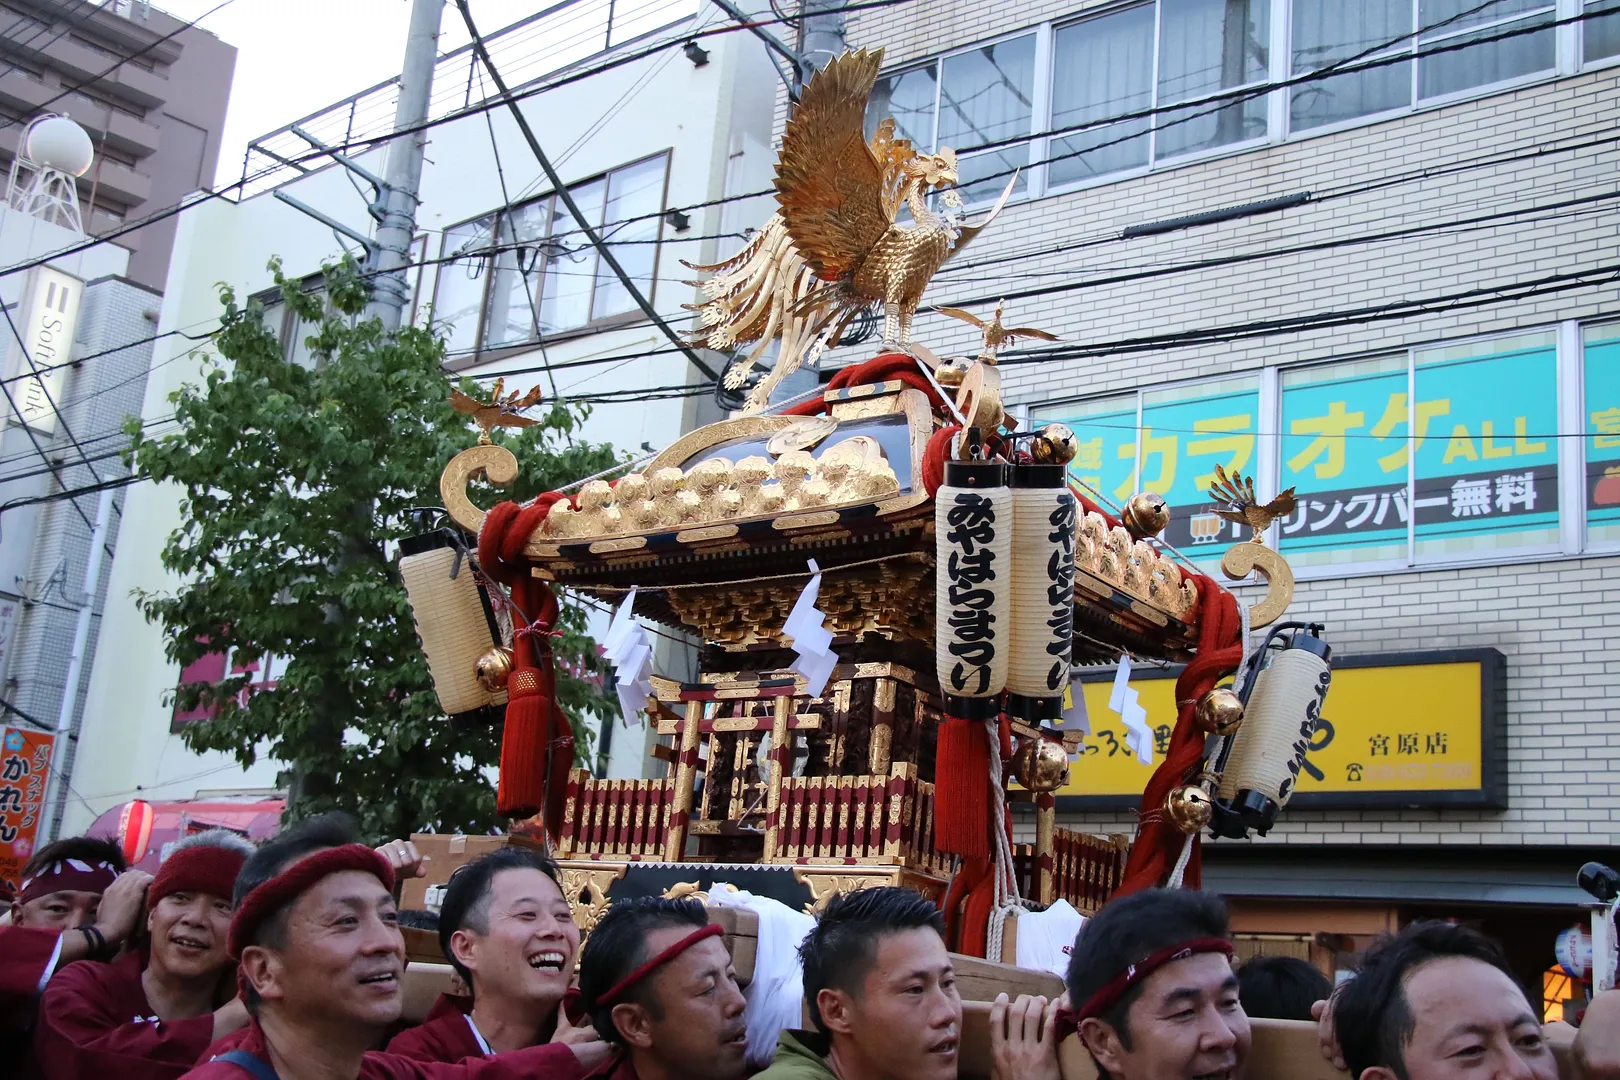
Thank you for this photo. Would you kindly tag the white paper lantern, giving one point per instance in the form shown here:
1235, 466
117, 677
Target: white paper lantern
1044, 527
453, 621
973, 531
1279, 721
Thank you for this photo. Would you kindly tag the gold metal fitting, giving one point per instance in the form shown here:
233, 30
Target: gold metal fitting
1041, 765
1145, 515
951, 371
1053, 444
1219, 712
494, 668
1188, 808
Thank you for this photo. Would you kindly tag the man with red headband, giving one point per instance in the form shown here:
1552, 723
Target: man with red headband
1152, 993
150, 1013
881, 991
321, 956
657, 982
76, 902
509, 932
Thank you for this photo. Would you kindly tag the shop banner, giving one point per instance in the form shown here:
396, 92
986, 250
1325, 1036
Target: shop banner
25, 765
1401, 729
1603, 433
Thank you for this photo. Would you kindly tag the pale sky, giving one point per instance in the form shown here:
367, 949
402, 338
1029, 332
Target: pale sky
294, 57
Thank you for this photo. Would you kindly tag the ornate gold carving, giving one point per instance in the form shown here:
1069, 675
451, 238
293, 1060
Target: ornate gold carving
586, 890
806, 521
624, 543
802, 435
708, 532
978, 399
1253, 556
823, 887
1237, 492
995, 335
687, 890
1135, 567
494, 463
892, 599
835, 247
501, 410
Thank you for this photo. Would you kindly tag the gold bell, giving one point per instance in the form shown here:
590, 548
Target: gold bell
493, 668
1053, 444
1219, 712
1188, 808
1145, 515
1041, 765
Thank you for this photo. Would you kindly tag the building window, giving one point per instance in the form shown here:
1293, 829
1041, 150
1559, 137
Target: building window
1437, 454
1326, 33
1210, 47
1102, 67
512, 277
1600, 32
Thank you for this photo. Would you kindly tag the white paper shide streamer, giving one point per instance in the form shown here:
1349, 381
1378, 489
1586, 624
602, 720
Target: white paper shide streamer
806, 627
973, 531
1042, 628
629, 650
1125, 701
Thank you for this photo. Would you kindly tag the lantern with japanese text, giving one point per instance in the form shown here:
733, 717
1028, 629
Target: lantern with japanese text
1042, 606
454, 621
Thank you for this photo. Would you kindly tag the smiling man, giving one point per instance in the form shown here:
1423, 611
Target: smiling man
317, 936
151, 1012
657, 983
1152, 990
506, 928
1439, 1002
881, 993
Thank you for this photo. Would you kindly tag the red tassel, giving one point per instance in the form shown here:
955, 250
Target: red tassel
962, 789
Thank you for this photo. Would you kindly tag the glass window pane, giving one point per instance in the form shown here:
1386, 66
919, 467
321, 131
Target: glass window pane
1186, 431
1438, 17
459, 293
1328, 32
635, 195
1102, 67
1206, 46
571, 262
1601, 416
1344, 452
1487, 464
1601, 31
1489, 61
909, 98
988, 95
513, 292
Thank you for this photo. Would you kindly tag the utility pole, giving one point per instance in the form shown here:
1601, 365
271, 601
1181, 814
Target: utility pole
821, 34
51, 813
403, 176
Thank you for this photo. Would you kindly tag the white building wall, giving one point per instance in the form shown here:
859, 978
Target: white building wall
714, 122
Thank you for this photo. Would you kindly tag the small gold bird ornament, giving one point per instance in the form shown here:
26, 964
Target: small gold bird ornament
995, 334
1237, 492
502, 409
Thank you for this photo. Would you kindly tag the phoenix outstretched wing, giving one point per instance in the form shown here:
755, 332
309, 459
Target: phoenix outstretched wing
829, 183
891, 154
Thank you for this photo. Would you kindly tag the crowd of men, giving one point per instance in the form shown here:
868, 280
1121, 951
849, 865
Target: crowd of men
286, 961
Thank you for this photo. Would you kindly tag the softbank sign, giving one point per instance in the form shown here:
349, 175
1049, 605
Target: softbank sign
50, 314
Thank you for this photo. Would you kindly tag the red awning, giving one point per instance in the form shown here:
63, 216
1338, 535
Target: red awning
171, 821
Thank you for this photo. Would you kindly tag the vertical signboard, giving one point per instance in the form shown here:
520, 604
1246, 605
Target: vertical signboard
25, 763
50, 313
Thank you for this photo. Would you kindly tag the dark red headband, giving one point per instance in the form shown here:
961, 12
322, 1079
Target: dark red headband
68, 875
287, 886
1109, 994
618, 989
201, 869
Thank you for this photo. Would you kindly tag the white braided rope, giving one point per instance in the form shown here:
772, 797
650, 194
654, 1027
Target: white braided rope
1181, 864
1007, 905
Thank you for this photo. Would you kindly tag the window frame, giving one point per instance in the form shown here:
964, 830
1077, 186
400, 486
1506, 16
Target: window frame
1568, 61
481, 351
1573, 538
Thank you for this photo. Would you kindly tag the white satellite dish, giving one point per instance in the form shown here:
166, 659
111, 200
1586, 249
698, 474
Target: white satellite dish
56, 142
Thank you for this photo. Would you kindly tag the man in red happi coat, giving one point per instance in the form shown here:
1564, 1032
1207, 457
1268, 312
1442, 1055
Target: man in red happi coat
75, 902
317, 937
657, 982
150, 1013
509, 932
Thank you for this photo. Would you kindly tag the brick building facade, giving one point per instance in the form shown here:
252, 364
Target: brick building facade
1413, 259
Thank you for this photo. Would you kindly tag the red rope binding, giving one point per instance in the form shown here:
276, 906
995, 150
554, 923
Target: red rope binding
537, 747
1158, 843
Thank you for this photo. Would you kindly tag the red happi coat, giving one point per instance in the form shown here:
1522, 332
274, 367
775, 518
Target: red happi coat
95, 1024
443, 1035
25, 956
548, 1062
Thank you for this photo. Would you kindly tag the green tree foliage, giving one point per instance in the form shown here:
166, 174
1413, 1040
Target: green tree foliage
295, 480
